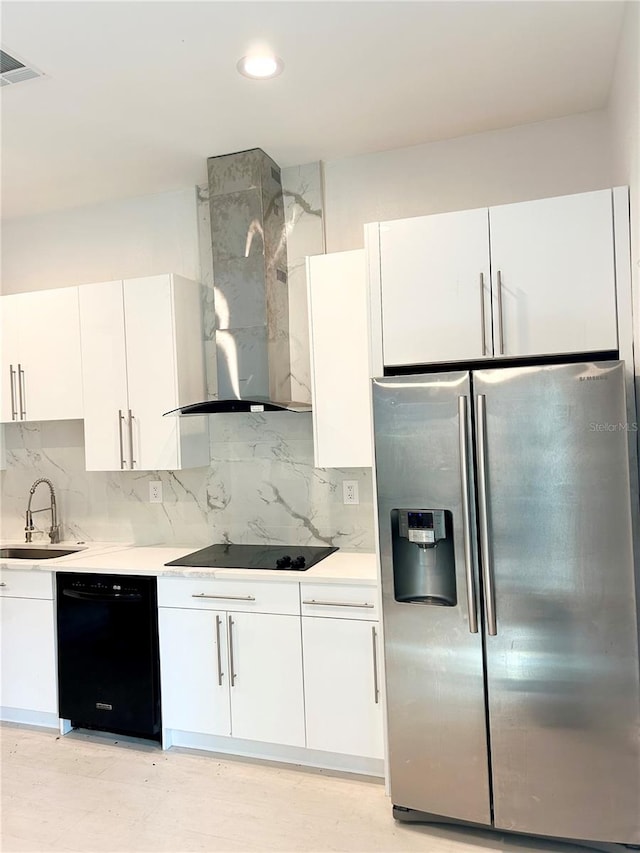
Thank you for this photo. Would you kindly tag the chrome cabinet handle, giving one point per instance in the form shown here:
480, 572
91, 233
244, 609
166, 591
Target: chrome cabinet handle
231, 663
482, 317
22, 393
466, 514
487, 561
2, 583
12, 383
120, 419
376, 688
220, 673
133, 461
500, 319
226, 597
337, 603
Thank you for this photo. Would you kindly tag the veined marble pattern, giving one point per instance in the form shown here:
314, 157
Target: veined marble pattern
303, 221
302, 191
261, 484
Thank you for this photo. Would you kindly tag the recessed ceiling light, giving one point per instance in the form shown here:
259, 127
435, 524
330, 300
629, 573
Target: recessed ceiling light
260, 66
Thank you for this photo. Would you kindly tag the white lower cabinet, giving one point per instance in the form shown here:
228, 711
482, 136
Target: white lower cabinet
260, 662
28, 685
343, 705
265, 656
194, 671
229, 672
342, 669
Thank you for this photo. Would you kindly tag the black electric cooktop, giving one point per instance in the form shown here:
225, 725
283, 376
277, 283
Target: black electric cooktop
286, 557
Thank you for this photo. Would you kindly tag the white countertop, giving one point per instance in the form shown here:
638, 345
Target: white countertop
339, 567
86, 549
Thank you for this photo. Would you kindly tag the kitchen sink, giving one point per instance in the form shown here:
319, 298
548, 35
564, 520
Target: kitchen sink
18, 552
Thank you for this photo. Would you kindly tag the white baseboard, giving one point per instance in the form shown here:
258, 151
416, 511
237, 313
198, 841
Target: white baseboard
274, 752
30, 718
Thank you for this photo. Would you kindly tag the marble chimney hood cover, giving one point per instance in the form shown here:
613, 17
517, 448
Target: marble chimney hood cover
251, 297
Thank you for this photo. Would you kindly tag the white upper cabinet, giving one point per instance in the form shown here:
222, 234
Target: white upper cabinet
553, 271
436, 303
41, 367
142, 355
339, 345
527, 279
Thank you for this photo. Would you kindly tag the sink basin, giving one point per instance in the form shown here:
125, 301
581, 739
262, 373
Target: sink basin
19, 552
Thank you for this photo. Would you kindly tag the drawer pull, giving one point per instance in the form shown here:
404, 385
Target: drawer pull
12, 384
120, 419
376, 688
500, 314
131, 459
220, 673
225, 597
232, 666
3, 583
482, 318
337, 603
22, 394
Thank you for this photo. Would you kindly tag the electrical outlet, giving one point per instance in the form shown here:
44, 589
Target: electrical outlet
155, 492
350, 492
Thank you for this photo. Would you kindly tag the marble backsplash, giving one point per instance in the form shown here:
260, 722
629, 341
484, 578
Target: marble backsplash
261, 485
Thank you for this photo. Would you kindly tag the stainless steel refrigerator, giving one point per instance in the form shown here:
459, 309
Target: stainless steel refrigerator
510, 600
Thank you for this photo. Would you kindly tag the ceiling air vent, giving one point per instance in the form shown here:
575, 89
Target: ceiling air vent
12, 70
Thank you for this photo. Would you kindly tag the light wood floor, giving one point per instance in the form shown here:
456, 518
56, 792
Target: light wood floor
88, 792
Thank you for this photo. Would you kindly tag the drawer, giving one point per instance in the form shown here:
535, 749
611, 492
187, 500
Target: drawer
246, 596
341, 601
20, 584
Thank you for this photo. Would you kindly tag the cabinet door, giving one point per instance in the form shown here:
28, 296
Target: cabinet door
50, 354
265, 654
553, 273
151, 371
104, 376
41, 372
10, 348
339, 347
341, 685
28, 674
193, 671
435, 288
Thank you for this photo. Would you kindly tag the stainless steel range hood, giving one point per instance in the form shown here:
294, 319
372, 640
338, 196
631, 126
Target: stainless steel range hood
251, 297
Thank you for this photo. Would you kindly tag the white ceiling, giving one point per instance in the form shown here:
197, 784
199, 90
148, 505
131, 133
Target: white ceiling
139, 94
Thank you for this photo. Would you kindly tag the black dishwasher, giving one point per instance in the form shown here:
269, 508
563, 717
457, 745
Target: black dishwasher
108, 660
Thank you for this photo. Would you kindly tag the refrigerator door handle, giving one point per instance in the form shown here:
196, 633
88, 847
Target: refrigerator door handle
466, 514
486, 558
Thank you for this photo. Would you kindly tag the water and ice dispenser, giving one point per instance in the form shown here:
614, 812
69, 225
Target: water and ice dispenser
423, 556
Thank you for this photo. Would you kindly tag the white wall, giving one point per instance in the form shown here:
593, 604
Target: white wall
117, 239
557, 157
624, 119
624, 126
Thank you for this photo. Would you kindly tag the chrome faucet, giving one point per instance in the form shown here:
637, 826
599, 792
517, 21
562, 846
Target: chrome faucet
54, 531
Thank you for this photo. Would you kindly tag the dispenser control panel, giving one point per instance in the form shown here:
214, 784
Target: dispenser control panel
422, 526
